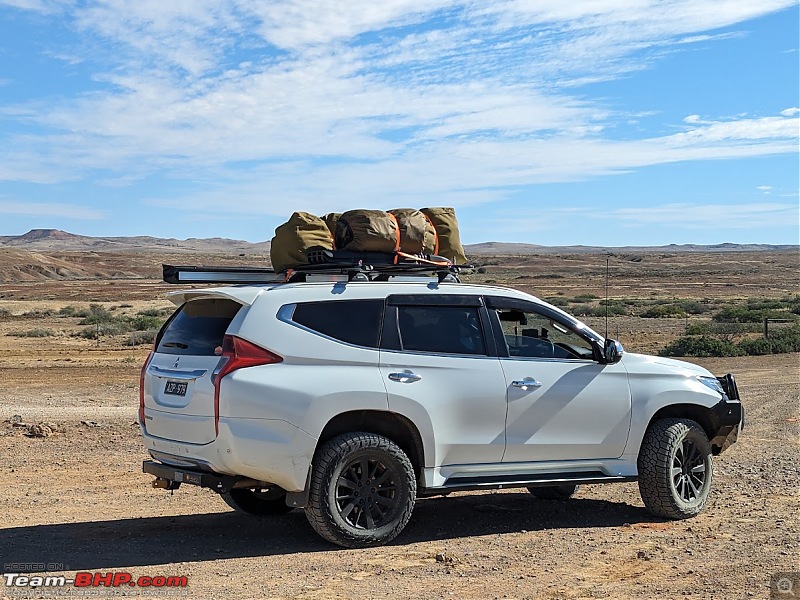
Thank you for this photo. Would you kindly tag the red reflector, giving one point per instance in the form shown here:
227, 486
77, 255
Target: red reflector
238, 354
141, 389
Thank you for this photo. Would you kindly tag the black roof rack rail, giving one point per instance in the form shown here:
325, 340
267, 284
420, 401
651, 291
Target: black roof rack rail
353, 272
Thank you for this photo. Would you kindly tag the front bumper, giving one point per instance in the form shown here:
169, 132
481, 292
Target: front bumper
728, 416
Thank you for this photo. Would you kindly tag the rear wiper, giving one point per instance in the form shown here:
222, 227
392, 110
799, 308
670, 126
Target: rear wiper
180, 345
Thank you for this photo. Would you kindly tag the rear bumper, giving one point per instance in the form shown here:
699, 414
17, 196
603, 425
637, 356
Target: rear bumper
178, 475
263, 450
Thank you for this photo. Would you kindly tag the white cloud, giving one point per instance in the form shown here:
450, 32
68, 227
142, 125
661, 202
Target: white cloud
765, 188
664, 217
49, 209
347, 99
790, 112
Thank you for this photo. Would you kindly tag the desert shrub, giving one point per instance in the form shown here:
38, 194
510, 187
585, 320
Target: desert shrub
779, 342
702, 346
557, 301
745, 314
700, 328
32, 333
693, 307
142, 337
156, 312
615, 307
581, 298
664, 311
143, 323
67, 311
39, 313
97, 314
4, 312
482, 270
104, 329
725, 331
583, 310
125, 306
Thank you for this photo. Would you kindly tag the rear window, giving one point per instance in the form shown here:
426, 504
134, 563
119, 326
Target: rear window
197, 327
356, 322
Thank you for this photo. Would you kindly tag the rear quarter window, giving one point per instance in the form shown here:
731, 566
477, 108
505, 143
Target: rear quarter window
356, 322
197, 327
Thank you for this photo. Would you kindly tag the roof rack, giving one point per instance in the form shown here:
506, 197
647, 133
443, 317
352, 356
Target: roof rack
339, 271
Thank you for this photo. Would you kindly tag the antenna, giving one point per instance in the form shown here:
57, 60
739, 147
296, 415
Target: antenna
607, 259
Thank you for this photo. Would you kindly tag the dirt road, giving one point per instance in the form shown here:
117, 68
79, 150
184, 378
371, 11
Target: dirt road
77, 501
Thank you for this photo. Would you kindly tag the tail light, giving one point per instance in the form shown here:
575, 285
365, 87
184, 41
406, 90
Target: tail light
237, 354
141, 389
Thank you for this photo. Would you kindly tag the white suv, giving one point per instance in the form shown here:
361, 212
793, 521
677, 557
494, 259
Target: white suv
351, 399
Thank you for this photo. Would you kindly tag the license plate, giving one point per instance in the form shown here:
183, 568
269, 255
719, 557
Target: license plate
176, 388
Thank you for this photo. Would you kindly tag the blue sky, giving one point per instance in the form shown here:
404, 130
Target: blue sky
597, 122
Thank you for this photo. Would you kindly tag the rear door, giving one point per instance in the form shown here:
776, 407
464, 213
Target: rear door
178, 390
440, 369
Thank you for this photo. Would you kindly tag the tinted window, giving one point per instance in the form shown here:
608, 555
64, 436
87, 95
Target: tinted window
356, 322
441, 329
197, 327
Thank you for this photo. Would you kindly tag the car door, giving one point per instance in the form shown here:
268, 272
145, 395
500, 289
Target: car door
441, 371
563, 404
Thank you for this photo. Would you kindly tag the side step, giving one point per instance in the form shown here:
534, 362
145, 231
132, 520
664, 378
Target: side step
499, 482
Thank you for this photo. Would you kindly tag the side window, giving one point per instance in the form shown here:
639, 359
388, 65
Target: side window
530, 334
441, 329
356, 322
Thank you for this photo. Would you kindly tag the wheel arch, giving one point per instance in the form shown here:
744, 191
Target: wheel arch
391, 425
702, 415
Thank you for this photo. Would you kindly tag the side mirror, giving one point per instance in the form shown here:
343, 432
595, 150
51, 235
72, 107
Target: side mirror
612, 351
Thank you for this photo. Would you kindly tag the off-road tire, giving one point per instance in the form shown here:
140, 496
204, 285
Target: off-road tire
675, 470
257, 501
554, 492
362, 490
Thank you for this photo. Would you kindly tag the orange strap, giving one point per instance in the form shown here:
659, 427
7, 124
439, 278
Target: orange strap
397, 233
435, 235
289, 273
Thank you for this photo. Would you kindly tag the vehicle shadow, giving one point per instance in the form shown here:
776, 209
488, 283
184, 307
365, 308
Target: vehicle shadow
97, 545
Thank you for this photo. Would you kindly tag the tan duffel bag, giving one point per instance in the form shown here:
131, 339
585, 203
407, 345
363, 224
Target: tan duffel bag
417, 233
449, 238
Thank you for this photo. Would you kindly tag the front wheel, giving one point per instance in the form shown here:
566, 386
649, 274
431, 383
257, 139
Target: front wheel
257, 501
675, 470
362, 491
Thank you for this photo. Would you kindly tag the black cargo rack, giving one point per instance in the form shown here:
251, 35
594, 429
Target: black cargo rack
339, 271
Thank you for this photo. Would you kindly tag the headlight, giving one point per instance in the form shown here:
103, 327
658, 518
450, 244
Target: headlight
713, 383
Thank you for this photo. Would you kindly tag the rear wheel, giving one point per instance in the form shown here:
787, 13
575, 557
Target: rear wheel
257, 501
675, 470
362, 491
554, 492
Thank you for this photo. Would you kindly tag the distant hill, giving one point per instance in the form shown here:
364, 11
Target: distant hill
43, 240
512, 248
55, 239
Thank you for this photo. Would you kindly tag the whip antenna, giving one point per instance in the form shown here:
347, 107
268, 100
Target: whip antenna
607, 258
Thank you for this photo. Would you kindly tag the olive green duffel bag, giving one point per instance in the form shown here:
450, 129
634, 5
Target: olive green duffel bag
365, 230
301, 232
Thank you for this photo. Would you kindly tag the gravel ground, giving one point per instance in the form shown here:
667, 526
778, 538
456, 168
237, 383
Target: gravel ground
77, 501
